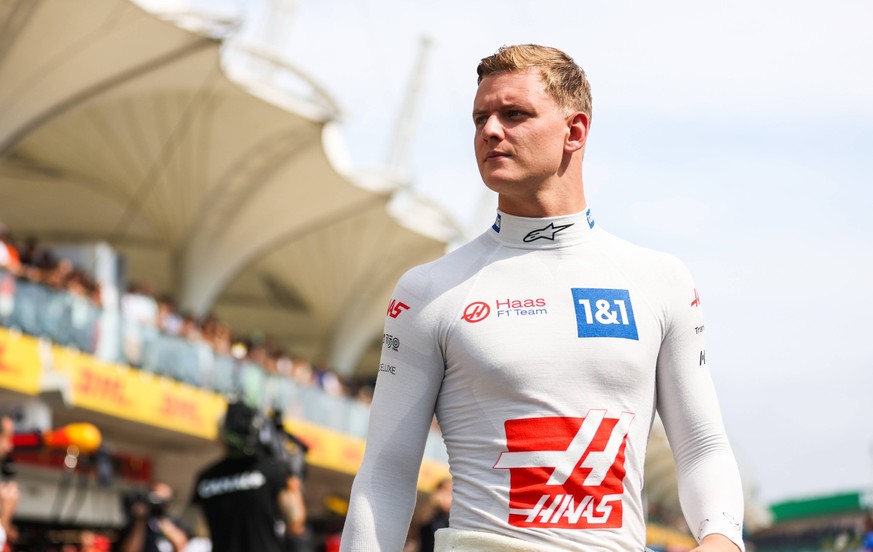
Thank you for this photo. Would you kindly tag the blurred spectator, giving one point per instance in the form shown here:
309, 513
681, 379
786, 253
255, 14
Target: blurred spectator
10, 266
283, 364
29, 251
328, 381
364, 394
139, 312
58, 275
218, 335
190, 330
8, 488
169, 321
868, 533
435, 515
301, 371
9, 258
149, 527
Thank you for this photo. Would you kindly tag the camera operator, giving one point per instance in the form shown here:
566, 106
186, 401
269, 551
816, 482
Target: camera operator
149, 527
250, 497
8, 487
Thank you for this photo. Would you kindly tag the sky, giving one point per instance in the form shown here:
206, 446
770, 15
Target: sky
737, 136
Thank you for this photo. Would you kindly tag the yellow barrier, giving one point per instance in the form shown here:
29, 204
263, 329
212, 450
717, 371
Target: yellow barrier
20, 366
132, 394
658, 535
340, 452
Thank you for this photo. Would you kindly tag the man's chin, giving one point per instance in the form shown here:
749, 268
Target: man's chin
497, 183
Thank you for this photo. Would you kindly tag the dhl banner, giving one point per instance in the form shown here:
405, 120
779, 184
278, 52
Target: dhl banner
20, 366
142, 397
139, 396
337, 451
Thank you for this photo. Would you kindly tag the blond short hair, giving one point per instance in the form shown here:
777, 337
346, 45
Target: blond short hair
564, 81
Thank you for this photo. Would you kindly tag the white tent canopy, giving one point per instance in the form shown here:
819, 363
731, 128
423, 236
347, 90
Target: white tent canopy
216, 188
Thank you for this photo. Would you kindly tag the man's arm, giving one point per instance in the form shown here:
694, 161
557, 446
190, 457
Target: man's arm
710, 489
176, 535
411, 372
133, 539
292, 506
9, 496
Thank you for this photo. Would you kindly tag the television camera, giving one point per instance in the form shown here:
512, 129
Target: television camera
251, 432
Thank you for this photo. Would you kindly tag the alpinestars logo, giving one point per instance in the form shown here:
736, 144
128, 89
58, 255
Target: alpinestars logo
547, 233
566, 473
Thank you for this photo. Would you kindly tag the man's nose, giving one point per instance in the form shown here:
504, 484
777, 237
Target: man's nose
492, 128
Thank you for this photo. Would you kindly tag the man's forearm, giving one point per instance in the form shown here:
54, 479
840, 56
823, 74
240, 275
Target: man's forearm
173, 533
135, 538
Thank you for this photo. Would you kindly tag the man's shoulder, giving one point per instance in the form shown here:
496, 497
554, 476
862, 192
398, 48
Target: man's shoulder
437, 276
646, 258
218, 468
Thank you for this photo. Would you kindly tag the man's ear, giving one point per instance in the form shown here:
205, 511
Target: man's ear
578, 125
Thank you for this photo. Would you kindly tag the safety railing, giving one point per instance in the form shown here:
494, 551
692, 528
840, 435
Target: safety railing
74, 321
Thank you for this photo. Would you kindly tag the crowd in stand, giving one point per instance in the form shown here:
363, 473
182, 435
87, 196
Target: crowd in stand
143, 312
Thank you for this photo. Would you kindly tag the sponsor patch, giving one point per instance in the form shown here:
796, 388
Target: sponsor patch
396, 307
391, 342
505, 308
566, 473
604, 312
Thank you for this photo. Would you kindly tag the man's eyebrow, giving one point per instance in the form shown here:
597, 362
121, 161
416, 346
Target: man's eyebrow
518, 106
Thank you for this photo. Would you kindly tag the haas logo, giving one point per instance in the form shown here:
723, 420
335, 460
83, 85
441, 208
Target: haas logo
566, 473
396, 307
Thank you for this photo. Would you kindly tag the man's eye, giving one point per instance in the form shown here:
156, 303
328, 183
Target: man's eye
514, 114
479, 121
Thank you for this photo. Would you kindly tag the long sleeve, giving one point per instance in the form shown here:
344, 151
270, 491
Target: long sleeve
710, 490
410, 374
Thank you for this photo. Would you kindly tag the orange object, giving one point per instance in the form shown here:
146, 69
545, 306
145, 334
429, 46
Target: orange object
82, 435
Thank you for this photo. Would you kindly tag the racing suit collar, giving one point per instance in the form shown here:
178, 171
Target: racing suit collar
542, 233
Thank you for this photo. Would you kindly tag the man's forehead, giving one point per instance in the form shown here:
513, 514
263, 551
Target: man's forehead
511, 87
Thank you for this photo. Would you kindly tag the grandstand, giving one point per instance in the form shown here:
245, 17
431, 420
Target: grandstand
810, 524
157, 172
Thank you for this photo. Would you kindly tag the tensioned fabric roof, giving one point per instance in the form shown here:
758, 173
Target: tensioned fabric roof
216, 188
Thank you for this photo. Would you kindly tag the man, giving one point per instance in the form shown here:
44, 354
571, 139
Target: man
149, 526
9, 493
544, 346
247, 495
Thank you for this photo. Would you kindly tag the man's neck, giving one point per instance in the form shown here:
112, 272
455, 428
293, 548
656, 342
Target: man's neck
545, 204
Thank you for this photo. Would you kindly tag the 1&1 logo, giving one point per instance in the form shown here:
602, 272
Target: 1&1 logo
566, 473
604, 312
